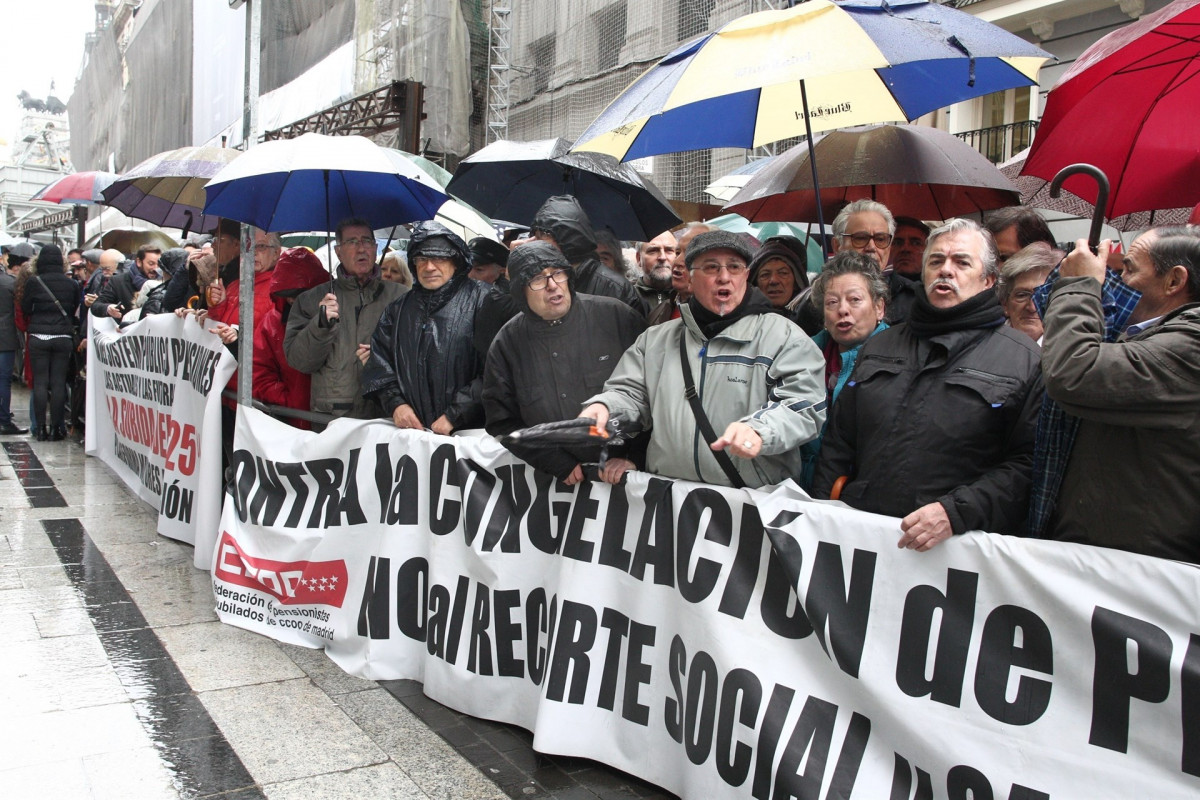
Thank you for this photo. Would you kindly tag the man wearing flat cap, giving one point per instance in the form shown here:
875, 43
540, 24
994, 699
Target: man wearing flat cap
488, 260
556, 352
729, 390
423, 368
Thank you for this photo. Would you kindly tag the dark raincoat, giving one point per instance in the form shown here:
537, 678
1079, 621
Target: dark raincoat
799, 309
423, 351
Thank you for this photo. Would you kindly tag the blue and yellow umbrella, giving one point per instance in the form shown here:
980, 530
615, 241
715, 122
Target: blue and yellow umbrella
761, 77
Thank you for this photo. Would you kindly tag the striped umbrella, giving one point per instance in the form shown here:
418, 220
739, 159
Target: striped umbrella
168, 189
763, 76
78, 188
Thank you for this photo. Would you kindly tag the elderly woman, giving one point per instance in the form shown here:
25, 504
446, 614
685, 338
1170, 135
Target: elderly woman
853, 296
1024, 271
779, 270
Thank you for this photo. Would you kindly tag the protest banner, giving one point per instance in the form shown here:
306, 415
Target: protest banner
154, 416
718, 643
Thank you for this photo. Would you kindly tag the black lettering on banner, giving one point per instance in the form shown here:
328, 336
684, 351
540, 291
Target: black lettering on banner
398, 490
547, 517
808, 746
443, 513
741, 698
747, 561
508, 633
349, 506
1019, 792
999, 653
845, 773
536, 624
701, 710
768, 740
512, 503
584, 508
478, 485
412, 588
479, 659
438, 620
953, 641
781, 611
673, 706
373, 612
269, 494
1113, 685
695, 586
839, 611
902, 782
1190, 701
327, 472
457, 619
658, 522
637, 672
612, 541
294, 473
617, 625
968, 783
242, 463
576, 633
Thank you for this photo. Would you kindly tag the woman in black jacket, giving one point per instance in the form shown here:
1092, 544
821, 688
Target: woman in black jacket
49, 302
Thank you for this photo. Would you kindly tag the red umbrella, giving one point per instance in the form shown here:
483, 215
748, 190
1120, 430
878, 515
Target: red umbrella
1128, 106
79, 188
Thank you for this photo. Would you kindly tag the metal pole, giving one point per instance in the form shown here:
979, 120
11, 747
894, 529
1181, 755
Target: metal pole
246, 274
812, 161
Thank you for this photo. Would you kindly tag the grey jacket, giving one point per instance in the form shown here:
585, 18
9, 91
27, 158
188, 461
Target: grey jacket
762, 370
1131, 482
330, 353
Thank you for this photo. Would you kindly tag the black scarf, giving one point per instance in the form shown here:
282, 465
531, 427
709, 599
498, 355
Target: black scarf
981, 311
710, 324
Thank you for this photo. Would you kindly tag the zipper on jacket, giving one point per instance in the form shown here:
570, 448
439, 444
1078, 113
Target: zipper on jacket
981, 374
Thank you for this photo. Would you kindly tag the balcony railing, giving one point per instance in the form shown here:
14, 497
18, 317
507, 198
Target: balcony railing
1001, 142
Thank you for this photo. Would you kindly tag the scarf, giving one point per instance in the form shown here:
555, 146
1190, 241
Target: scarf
981, 311
710, 324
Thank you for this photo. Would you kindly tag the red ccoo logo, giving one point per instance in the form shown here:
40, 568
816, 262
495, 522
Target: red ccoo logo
289, 582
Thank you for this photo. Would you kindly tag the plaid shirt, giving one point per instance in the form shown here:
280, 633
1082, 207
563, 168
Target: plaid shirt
1056, 428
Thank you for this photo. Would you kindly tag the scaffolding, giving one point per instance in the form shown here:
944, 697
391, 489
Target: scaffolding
499, 47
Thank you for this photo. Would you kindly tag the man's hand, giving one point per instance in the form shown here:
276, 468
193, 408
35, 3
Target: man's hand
330, 303
114, 311
928, 525
442, 426
227, 333
216, 293
89, 298
741, 439
405, 417
363, 353
1082, 263
615, 469
598, 412
575, 477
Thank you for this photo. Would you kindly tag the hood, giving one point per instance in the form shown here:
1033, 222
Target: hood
171, 260
777, 248
531, 259
563, 218
50, 260
435, 239
296, 271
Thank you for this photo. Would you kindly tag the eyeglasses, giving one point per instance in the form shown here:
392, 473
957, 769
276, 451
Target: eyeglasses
710, 269
539, 283
1021, 297
862, 239
365, 241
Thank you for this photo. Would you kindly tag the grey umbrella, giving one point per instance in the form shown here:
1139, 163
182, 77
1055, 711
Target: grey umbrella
510, 180
914, 170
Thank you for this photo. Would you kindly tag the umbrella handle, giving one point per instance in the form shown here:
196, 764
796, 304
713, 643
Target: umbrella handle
1102, 188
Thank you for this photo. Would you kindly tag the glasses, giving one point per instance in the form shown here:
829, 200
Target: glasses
539, 282
710, 269
1021, 297
862, 239
365, 241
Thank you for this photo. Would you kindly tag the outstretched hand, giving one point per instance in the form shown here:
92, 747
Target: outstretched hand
741, 439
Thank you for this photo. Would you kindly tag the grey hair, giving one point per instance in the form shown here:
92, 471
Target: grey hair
990, 256
1036, 256
850, 262
1179, 246
861, 207
273, 239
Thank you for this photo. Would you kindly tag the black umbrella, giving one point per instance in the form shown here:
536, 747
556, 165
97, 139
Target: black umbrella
510, 180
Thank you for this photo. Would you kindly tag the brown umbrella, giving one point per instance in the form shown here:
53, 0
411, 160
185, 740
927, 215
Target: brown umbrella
1036, 192
914, 170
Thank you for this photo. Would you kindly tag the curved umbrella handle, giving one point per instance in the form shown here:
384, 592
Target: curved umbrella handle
1101, 196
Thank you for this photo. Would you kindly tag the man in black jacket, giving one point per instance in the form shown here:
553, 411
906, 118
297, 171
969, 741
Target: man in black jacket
116, 298
554, 355
423, 368
936, 424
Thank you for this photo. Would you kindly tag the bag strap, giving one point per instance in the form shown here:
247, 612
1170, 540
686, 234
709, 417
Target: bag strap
61, 310
706, 428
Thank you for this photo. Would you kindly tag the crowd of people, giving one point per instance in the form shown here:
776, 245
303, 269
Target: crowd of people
959, 377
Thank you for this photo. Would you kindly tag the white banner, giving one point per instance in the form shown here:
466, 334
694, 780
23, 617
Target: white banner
154, 416
715, 642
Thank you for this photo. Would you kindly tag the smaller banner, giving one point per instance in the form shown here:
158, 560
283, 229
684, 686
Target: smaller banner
154, 416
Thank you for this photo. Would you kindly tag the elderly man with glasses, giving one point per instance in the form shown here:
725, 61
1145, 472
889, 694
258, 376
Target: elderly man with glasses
865, 226
330, 327
729, 390
554, 354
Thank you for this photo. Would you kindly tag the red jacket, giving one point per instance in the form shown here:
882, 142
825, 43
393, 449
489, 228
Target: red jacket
275, 382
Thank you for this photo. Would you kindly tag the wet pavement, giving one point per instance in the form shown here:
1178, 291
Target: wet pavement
119, 682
